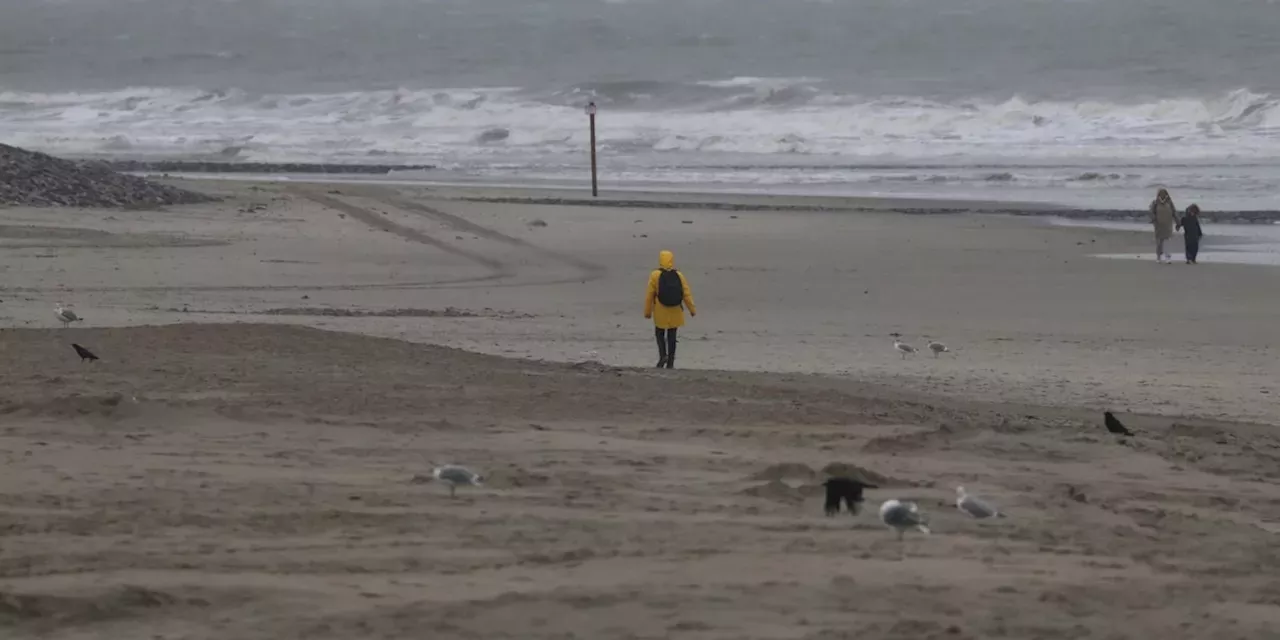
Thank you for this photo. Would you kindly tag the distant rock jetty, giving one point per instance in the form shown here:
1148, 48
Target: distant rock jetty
213, 166
834, 204
32, 179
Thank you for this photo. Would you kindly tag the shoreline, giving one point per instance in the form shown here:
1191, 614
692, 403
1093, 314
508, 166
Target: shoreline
718, 198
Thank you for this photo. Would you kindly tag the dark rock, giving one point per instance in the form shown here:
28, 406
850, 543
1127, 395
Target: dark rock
32, 179
198, 166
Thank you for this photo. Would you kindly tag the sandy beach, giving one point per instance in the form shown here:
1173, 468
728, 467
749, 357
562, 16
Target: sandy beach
281, 369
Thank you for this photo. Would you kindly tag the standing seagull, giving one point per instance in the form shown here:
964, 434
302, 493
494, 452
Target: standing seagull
901, 516
903, 348
974, 507
454, 475
937, 347
67, 316
1115, 426
84, 353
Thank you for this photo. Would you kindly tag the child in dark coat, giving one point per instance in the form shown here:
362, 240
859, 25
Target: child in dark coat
1191, 232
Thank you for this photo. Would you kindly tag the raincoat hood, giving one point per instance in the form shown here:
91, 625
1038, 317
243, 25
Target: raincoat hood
666, 260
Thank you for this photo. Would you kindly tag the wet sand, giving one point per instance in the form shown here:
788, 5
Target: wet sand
231, 470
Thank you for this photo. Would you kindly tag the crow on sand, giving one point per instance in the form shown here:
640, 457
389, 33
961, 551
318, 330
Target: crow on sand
847, 489
84, 353
1115, 426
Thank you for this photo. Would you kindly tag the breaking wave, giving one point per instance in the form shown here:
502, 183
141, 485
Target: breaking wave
751, 117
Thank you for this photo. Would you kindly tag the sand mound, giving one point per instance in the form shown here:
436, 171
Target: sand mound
447, 312
35, 179
115, 602
776, 490
785, 471
911, 441
846, 470
112, 405
512, 476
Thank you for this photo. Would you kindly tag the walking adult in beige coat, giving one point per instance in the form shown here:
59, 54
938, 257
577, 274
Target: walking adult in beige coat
1163, 216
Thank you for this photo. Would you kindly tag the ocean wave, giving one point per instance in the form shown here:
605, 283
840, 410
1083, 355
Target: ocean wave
753, 117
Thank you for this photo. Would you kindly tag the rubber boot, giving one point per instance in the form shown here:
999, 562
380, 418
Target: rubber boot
662, 348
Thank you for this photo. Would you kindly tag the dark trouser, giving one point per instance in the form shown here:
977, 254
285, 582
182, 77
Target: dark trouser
666, 346
1193, 247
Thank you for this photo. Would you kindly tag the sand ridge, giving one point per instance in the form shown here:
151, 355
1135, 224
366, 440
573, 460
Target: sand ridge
246, 459
258, 481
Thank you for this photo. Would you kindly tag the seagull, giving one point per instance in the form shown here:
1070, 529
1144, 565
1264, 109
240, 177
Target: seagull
903, 348
454, 475
1115, 426
975, 507
937, 347
67, 316
847, 489
901, 515
85, 354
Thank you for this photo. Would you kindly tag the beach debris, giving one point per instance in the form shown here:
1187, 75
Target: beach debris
1114, 425
847, 489
903, 348
1077, 494
975, 506
937, 348
455, 475
903, 516
84, 353
67, 316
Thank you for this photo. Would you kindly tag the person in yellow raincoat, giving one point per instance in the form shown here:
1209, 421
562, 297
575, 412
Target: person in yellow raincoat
665, 298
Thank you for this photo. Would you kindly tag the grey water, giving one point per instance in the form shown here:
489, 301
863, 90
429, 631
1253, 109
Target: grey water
1090, 102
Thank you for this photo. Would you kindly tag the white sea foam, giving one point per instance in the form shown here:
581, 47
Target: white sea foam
430, 123
762, 130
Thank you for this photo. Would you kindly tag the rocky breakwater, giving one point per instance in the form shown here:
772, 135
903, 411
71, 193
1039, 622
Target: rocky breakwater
28, 178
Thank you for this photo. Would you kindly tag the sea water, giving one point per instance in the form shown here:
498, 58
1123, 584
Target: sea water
1082, 102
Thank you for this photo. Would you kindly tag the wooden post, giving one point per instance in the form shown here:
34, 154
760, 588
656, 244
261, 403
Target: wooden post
591, 116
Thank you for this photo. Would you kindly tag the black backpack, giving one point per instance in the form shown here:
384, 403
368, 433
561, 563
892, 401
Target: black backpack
670, 288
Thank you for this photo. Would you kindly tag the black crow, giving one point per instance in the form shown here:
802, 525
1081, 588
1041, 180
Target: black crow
84, 353
847, 489
1114, 426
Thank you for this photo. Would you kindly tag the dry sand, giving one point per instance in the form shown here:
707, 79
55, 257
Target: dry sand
256, 478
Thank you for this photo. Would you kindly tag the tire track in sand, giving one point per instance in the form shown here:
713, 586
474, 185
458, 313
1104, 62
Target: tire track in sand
590, 270
497, 268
